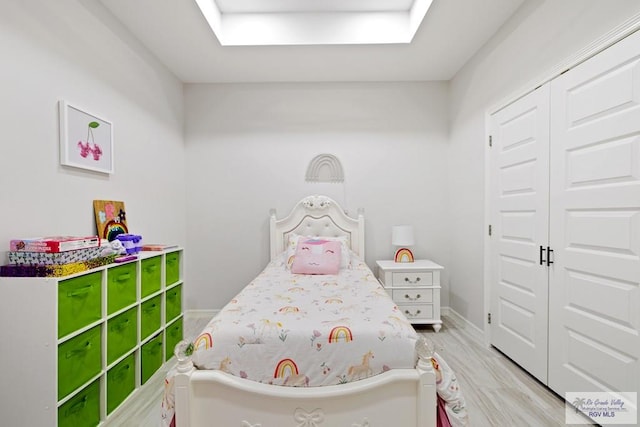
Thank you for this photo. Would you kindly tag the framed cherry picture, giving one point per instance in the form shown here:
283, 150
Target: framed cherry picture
86, 140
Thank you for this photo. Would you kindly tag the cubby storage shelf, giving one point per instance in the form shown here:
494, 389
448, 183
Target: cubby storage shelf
76, 347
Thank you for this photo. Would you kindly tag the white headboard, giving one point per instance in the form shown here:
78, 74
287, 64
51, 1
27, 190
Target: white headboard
317, 216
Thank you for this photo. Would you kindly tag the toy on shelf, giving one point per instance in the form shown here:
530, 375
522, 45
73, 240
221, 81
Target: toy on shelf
131, 242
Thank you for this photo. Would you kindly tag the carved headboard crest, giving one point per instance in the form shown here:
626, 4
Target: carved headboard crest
316, 202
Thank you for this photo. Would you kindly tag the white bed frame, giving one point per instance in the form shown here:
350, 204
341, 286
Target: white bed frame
398, 397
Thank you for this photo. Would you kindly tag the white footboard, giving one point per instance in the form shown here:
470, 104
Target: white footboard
399, 397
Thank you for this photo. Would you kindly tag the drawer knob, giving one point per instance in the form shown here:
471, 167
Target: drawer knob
406, 279
410, 298
409, 314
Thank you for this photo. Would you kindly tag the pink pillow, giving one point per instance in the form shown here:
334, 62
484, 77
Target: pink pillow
317, 256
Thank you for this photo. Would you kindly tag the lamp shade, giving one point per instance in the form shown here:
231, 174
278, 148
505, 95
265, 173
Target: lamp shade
402, 235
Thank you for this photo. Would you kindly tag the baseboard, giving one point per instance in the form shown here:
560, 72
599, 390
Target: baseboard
449, 312
200, 314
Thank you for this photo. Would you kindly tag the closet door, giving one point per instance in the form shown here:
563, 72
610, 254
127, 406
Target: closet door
519, 220
594, 312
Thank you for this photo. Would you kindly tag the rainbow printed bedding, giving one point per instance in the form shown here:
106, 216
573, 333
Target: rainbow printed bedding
306, 330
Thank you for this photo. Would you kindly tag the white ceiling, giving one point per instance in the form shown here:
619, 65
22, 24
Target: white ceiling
176, 32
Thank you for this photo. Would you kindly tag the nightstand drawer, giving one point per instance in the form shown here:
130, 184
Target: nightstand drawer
417, 311
412, 295
424, 278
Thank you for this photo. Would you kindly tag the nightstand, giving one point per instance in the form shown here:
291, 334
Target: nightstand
415, 288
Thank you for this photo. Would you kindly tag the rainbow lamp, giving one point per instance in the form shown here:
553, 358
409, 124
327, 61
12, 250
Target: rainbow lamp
401, 237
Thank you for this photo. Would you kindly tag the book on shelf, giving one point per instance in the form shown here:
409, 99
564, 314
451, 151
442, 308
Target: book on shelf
54, 258
157, 247
53, 243
54, 270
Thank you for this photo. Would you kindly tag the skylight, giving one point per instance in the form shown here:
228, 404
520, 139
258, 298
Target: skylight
313, 22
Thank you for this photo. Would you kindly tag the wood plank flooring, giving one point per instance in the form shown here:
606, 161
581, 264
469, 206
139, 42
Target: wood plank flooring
498, 393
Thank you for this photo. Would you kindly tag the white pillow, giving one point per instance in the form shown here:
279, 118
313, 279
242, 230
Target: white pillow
345, 251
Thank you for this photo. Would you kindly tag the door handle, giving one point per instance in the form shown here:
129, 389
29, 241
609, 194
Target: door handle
549, 252
542, 261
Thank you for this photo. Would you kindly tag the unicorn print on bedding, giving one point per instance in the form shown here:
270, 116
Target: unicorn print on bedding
345, 322
306, 330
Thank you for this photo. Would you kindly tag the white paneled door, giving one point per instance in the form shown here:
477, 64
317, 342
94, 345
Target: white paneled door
594, 296
520, 227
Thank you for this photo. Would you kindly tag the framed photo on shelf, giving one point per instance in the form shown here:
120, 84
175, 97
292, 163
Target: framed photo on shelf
86, 140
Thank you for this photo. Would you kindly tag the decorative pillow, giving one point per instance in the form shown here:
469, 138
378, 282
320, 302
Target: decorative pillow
345, 258
316, 256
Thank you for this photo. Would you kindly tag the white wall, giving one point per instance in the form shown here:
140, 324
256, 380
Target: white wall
248, 147
74, 50
540, 36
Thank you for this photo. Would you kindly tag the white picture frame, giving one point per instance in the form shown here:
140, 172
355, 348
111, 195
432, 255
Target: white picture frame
86, 140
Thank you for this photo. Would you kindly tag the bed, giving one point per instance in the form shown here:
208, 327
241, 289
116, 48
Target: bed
222, 383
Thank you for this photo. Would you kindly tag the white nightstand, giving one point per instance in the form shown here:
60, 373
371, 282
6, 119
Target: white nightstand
415, 288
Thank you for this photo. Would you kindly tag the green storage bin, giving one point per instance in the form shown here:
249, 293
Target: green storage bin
121, 287
122, 334
121, 381
172, 267
79, 302
173, 335
173, 303
79, 360
151, 271
150, 313
151, 357
83, 409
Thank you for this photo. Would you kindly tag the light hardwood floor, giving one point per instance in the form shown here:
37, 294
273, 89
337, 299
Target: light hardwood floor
498, 393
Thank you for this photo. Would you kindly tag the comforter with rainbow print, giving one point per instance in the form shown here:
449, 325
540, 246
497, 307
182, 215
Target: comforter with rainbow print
306, 330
